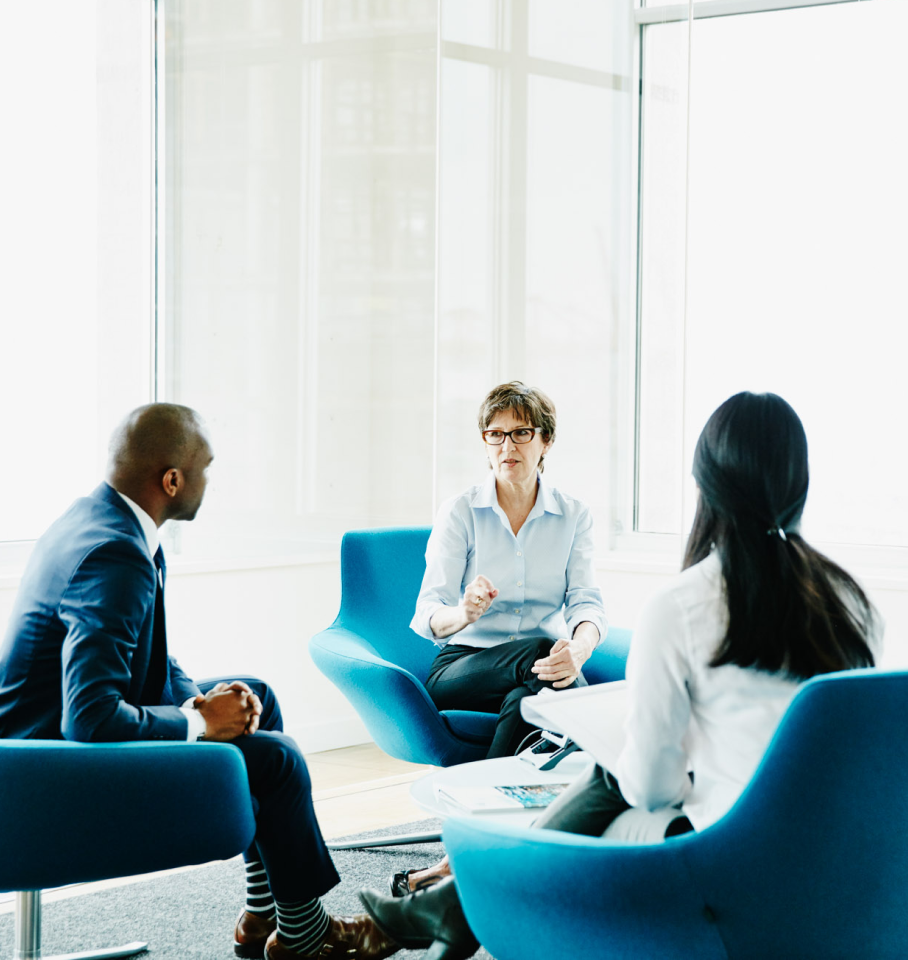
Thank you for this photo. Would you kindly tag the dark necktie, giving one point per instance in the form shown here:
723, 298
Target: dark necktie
157, 663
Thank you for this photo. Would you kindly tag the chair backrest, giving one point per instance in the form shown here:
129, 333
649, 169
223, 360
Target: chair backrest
381, 573
811, 862
814, 855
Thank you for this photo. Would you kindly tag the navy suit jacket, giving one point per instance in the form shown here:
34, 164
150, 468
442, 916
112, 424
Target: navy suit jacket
76, 652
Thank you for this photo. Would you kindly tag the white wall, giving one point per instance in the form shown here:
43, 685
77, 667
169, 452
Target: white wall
258, 621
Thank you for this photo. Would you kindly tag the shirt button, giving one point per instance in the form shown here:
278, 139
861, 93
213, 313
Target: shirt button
517, 610
519, 554
520, 583
512, 638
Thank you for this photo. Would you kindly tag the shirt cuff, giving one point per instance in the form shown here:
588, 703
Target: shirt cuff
592, 614
421, 623
195, 723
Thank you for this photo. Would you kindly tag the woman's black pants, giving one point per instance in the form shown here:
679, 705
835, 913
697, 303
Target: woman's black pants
492, 680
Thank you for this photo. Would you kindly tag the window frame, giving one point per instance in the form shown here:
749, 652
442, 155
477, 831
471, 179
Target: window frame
884, 566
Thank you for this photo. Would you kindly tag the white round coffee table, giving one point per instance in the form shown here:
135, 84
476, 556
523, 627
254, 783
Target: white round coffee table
504, 771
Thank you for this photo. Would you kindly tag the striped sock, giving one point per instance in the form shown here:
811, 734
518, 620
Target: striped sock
258, 894
302, 926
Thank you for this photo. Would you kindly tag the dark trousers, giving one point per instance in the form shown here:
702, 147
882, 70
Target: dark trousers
588, 805
288, 840
591, 803
491, 680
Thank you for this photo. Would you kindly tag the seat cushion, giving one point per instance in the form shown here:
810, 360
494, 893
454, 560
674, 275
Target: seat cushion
471, 725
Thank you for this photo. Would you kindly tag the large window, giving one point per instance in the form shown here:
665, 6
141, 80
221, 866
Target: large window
362, 234
76, 233
369, 214
773, 204
534, 232
297, 192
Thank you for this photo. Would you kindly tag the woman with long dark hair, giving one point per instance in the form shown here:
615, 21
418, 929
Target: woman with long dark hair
716, 657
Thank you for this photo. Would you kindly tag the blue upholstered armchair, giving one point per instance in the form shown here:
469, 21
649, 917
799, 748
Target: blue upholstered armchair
380, 665
73, 812
374, 658
812, 861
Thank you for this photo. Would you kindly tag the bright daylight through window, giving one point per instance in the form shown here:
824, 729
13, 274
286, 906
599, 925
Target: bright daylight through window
367, 215
76, 233
795, 251
358, 241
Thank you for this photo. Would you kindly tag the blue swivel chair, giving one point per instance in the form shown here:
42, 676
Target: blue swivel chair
374, 658
811, 862
72, 813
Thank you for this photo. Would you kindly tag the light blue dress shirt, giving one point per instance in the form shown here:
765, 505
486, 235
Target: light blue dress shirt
544, 574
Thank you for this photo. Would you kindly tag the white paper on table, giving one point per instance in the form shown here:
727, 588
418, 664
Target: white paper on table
592, 716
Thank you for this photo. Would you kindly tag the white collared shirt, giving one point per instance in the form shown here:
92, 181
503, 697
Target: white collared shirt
195, 722
149, 527
544, 574
687, 715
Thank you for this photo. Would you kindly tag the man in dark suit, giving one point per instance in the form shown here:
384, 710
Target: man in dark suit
85, 658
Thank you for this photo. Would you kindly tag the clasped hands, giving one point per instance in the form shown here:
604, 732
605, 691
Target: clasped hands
230, 710
566, 659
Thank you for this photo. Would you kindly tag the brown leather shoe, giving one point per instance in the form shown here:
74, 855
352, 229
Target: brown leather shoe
350, 938
250, 933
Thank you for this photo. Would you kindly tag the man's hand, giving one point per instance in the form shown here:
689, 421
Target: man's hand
254, 701
229, 710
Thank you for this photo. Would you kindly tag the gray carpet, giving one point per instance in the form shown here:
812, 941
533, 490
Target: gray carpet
190, 915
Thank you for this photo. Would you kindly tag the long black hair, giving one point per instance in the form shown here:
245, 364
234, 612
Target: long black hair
790, 609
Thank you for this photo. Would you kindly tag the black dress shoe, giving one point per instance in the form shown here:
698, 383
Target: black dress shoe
429, 918
400, 883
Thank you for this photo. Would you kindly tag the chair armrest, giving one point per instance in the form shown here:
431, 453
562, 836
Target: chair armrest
394, 705
609, 659
77, 812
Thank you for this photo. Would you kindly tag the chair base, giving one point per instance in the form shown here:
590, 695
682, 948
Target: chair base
395, 841
28, 935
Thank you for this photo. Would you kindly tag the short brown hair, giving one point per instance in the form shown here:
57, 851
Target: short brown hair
531, 404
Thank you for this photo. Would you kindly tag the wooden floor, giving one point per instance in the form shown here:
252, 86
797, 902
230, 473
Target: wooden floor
354, 788
361, 788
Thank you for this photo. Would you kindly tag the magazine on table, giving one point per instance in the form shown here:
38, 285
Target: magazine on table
511, 797
592, 716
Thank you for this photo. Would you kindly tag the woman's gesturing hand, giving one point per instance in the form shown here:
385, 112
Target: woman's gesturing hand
477, 598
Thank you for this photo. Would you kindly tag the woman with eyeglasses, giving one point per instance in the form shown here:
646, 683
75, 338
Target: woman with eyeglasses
509, 594
716, 658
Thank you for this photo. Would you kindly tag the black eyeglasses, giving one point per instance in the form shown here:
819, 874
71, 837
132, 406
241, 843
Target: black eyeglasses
495, 438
